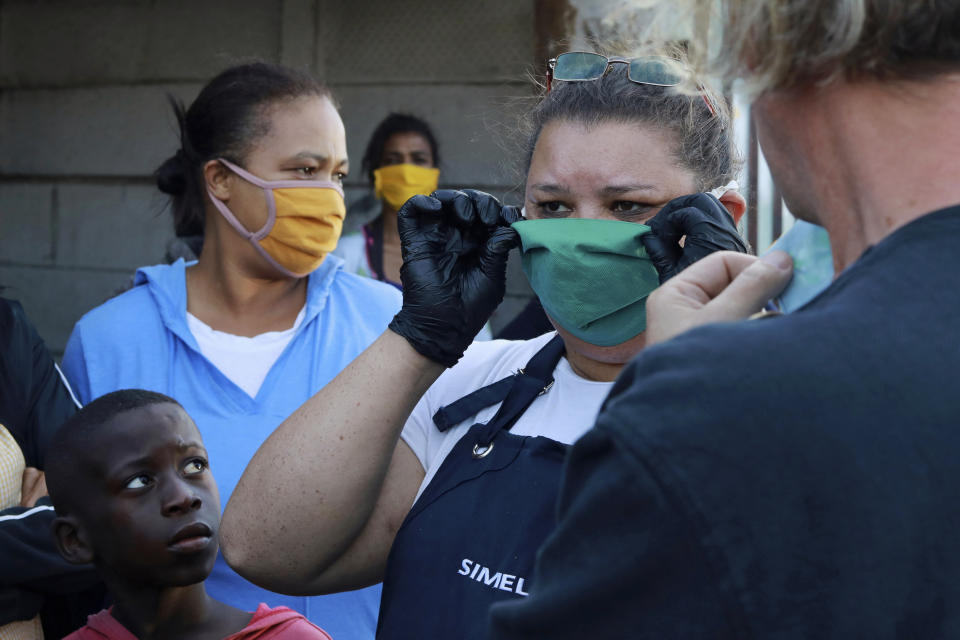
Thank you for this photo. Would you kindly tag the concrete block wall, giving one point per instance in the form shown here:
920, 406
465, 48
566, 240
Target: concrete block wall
84, 118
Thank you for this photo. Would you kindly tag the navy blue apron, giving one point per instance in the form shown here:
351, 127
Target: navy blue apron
470, 539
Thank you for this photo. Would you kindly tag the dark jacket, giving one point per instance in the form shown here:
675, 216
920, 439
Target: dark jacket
796, 477
34, 402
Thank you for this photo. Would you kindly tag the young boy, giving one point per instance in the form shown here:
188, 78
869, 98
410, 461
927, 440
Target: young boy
129, 479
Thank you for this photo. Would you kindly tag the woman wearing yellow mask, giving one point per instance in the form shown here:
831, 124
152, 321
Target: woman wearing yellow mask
400, 162
266, 316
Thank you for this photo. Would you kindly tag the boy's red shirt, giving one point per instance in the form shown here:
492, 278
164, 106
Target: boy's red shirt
266, 623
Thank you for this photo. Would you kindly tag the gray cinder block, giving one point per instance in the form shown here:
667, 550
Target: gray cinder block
54, 299
67, 43
26, 222
120, 226
472, 123
106, 131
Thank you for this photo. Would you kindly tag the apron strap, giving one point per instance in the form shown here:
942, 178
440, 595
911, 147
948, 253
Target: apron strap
516, 392
471, 404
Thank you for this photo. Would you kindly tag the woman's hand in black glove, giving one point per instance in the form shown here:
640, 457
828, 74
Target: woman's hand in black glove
455, 246
707, 225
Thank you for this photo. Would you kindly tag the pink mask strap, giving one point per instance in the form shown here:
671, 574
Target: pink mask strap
232, 219
267, 186
252, 236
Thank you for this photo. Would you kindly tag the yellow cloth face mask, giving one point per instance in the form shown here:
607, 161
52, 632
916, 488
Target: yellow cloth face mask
397, 183
304, 221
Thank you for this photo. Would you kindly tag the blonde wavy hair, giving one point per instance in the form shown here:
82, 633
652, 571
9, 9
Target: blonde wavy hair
776, 44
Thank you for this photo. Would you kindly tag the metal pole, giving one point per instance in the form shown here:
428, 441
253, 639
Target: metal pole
777, 213
753, 162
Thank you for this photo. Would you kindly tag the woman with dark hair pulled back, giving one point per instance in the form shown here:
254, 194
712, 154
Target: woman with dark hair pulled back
453, 473
266, 315
400, 161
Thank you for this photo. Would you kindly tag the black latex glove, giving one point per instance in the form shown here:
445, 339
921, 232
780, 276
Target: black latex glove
707, 225
455, 246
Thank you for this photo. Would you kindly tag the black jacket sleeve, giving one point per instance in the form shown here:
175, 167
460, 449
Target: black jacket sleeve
621, 564
34, 399
28, 557
32, 570
18, 604
34, 403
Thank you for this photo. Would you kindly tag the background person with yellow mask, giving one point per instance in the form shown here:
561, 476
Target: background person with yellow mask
266, 316
400, 162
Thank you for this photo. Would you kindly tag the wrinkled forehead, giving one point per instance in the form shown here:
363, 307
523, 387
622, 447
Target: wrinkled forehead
593, 155
311, 121
138, 433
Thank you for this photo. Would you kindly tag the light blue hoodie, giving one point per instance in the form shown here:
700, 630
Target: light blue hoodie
140, 339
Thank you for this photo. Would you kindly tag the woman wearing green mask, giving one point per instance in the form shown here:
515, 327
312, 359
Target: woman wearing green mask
444, 485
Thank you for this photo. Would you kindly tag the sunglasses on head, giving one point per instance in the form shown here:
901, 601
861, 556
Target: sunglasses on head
581, 66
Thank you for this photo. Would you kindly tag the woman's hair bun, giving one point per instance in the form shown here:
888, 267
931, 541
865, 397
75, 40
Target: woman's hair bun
172, 174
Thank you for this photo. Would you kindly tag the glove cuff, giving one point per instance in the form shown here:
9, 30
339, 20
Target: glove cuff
424, 344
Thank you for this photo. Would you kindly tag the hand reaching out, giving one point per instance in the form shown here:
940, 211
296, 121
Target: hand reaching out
723, 287
33, 488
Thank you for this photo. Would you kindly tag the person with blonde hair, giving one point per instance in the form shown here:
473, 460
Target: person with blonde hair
791, 477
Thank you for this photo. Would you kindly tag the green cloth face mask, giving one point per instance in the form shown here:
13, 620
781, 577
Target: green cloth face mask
592, 276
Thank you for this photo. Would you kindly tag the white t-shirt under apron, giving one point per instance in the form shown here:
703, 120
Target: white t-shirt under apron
567, 411
245, 361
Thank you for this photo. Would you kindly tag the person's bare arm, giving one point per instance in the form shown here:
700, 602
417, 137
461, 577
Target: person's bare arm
365, 561
33, 486
317, 508
320, 503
